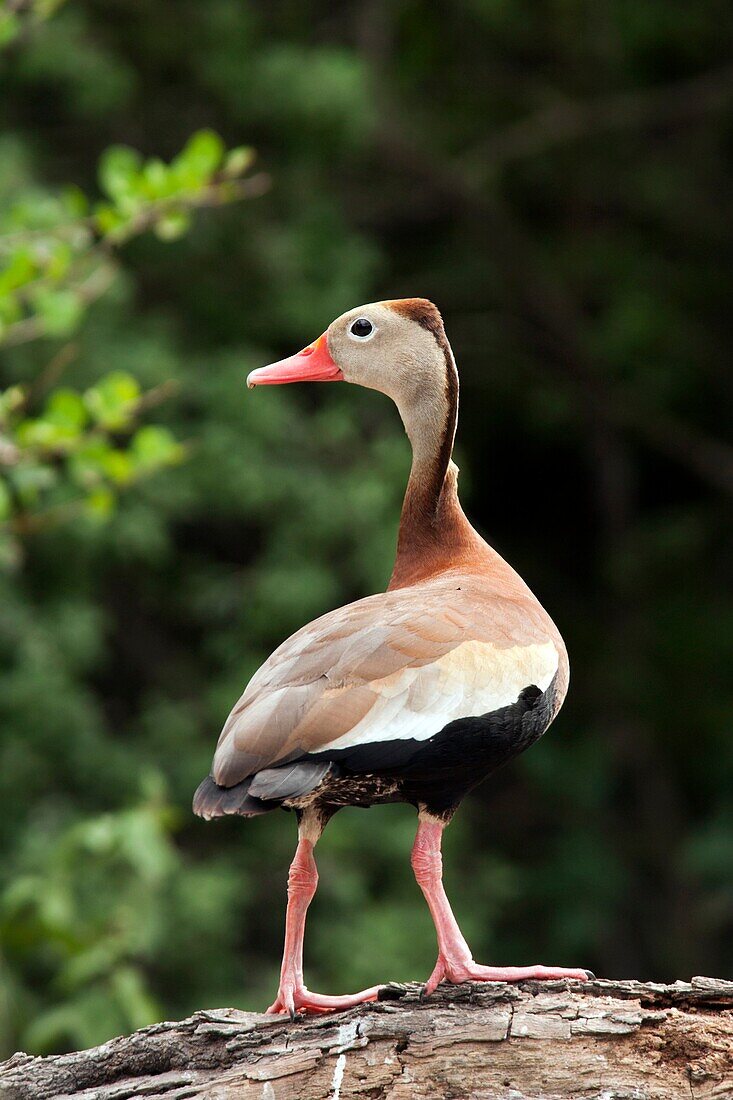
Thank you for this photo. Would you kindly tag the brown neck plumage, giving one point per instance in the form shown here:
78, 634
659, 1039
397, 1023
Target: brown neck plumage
434, 534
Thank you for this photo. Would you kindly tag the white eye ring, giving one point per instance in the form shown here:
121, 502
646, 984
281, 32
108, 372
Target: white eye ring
355, 336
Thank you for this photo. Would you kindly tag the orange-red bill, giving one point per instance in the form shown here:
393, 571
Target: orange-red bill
312, 364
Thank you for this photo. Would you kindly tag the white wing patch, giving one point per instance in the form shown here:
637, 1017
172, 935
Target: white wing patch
474, 678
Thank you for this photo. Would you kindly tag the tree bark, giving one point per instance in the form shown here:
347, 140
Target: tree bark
534, 1041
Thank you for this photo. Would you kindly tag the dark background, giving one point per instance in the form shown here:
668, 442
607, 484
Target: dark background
556, 177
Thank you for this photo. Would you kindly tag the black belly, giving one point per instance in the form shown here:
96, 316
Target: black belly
438, 772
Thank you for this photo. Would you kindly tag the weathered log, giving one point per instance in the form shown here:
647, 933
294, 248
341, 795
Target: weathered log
552, 1040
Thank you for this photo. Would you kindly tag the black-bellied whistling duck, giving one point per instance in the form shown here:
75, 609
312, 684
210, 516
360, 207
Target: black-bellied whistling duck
413, 695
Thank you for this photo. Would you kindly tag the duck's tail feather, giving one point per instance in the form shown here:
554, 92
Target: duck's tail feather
259, 793
211, 800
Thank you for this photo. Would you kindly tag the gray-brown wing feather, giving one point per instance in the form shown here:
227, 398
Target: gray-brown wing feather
288, 780
328, 677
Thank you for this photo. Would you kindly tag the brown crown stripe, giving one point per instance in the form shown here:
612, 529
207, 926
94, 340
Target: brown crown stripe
420, 310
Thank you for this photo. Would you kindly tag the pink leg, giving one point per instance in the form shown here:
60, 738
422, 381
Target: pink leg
292, 996
455, 962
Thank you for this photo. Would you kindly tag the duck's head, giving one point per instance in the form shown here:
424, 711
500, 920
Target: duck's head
397, 347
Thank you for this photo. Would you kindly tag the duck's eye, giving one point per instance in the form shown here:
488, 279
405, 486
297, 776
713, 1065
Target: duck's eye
361, 328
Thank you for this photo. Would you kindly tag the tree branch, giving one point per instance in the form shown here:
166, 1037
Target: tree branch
560, 1039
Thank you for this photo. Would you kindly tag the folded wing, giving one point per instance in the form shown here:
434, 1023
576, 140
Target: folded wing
401, 664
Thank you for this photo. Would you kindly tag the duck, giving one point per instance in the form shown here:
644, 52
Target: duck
415, 694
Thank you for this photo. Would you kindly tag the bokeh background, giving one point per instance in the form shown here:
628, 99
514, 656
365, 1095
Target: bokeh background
556, 176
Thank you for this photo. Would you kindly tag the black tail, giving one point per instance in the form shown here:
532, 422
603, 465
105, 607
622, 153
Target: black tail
211, 800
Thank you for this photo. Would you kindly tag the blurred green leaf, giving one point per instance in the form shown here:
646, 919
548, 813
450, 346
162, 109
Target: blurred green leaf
154, 179
6, 501
119, 175
112, 400
200, 158
65, 409
153, 446
18, 271
117, 465
59, 310
173, 225
238, 160
109, 219
9, 27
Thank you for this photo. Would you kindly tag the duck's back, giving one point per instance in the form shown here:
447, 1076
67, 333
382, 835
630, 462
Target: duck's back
446, 678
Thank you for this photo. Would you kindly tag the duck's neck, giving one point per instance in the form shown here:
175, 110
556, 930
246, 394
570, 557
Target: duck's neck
434, 533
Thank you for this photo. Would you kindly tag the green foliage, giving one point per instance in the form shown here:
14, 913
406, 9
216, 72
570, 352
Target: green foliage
55, 250
152, 193
58, 925
56, 258
78, 452
15, 17
548, 175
